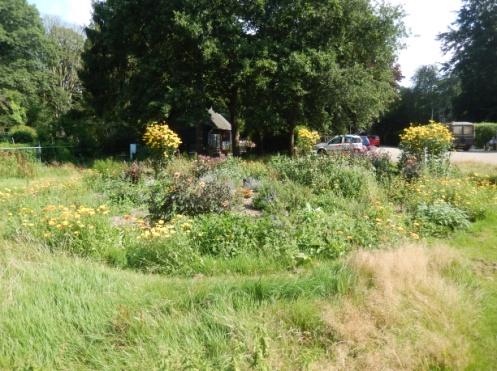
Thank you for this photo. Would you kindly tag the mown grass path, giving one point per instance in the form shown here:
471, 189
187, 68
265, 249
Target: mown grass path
479, 243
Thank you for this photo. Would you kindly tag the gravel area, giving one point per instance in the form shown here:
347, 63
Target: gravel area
489, 158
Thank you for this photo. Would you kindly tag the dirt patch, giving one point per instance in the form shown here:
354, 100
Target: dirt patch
130, 219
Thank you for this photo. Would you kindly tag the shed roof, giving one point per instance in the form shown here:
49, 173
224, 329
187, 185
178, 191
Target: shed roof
219, 121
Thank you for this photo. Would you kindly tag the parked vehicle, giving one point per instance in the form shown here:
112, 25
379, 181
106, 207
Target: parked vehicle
464, 134
374, 140
365, 141
351, 143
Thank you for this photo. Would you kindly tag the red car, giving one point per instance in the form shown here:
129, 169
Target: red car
374, 140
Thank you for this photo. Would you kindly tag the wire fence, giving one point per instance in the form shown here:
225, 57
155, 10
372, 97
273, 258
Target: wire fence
40, 153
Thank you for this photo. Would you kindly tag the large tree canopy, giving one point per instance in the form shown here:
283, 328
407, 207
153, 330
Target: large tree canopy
38, 69
430, 98
23, 58
473, 40
270, 64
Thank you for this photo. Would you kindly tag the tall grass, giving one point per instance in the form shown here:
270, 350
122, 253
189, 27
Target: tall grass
66, 313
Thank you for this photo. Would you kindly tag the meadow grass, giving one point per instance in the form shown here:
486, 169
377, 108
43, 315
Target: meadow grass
479, 244
62, 312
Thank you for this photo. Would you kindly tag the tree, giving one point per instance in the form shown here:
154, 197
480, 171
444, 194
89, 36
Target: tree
67, 45
24, 54
473, 40
328, 64
11, 111
433, 94
430, 98
324, 62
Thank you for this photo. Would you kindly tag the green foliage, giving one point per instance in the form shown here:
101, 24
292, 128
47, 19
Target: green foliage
274, 196
23, 48
17, 165
174, 255
303, 218
430, 98
231, 235
121, 183
484, 132
463, 193
246, 291
11, 110
266, 81
23, 134
347, 176
384, 168
440, 218
473, 41
191, 196
109, 168
66, 45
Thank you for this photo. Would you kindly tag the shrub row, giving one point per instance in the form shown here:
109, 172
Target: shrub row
484, 132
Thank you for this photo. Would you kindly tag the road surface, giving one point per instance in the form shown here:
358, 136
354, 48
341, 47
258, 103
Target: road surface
489, 158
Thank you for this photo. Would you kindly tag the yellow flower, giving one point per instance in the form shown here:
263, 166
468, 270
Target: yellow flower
161, 139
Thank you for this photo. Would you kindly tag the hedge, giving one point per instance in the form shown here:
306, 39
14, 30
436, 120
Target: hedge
484, 132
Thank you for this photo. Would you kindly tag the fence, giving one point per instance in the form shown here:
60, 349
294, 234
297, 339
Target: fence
41, 153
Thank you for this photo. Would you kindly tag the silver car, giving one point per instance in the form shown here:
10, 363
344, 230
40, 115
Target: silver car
352, 143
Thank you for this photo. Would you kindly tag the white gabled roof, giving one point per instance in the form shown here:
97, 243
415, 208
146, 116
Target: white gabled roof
219, 121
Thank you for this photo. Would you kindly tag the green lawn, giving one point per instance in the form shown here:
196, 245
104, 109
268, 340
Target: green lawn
479, 244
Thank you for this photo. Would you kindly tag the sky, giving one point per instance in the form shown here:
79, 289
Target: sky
425, 19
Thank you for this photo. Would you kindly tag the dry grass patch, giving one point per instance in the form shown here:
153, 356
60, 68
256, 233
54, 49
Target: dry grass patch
404, 313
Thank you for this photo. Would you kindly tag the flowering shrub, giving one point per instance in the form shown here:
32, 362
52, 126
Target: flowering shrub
306, 139
463, 193
434, 138
163, 143
82, 230
424, 149
191, 196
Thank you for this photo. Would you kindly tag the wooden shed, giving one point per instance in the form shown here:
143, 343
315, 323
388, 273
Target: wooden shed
219, 138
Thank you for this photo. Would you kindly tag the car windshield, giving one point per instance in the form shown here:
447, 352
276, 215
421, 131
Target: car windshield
336, 140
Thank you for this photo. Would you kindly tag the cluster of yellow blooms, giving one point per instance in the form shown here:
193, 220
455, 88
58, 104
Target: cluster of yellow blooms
434, 137
163, 230
6, 194
57, 219
483, 181
306, 139
36, 188
161, 139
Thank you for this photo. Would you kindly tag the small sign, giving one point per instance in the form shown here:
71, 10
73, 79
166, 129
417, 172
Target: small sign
132, 151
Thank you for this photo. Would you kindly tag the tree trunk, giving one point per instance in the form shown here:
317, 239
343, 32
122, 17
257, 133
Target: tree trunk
199, 137
235, 128
291, 148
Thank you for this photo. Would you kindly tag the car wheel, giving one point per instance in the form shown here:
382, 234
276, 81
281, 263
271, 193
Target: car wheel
322, 152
